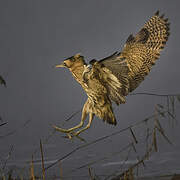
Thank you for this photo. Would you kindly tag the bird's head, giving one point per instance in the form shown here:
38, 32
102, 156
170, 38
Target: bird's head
72, 62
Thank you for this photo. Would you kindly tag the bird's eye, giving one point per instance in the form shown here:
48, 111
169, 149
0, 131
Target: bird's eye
64, 64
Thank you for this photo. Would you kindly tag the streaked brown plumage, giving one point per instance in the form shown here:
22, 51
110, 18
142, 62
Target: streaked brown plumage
112, 78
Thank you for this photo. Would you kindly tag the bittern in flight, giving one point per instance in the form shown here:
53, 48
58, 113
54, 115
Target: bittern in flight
112, 78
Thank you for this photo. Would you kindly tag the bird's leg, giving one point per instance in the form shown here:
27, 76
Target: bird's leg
83, 117
91, 115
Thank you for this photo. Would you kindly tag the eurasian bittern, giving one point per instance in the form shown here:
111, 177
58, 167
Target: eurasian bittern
112, 78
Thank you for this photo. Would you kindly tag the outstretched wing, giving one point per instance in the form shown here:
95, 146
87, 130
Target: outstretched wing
122, 72
143, 50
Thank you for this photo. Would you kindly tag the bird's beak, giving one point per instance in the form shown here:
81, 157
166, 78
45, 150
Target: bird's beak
60, 65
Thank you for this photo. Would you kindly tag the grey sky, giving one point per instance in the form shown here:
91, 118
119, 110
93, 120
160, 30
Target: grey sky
36, 35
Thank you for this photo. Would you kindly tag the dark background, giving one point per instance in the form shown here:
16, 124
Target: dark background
36, 35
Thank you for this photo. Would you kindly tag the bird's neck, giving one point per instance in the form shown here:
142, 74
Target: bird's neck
77, 72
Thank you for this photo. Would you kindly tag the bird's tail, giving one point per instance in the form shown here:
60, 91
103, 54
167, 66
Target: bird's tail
106, 114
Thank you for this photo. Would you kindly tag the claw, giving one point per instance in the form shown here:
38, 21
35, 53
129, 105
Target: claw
76, 134
70, 134
80, 138
67, 136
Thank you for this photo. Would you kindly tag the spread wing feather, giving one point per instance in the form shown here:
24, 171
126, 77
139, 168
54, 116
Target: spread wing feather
122, 72
143, 50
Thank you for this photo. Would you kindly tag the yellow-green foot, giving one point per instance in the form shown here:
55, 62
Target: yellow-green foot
61, 129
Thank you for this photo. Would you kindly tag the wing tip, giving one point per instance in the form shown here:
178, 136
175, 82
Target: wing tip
157, 13
166, 22
130, 39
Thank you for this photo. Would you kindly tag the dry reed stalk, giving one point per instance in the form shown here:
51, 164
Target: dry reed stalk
155, 140
161, 130
134, 148
3, 124
32, 170
42, 160
133, 135
131, 175
126, 176
158, 125
21, 177
90, 173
